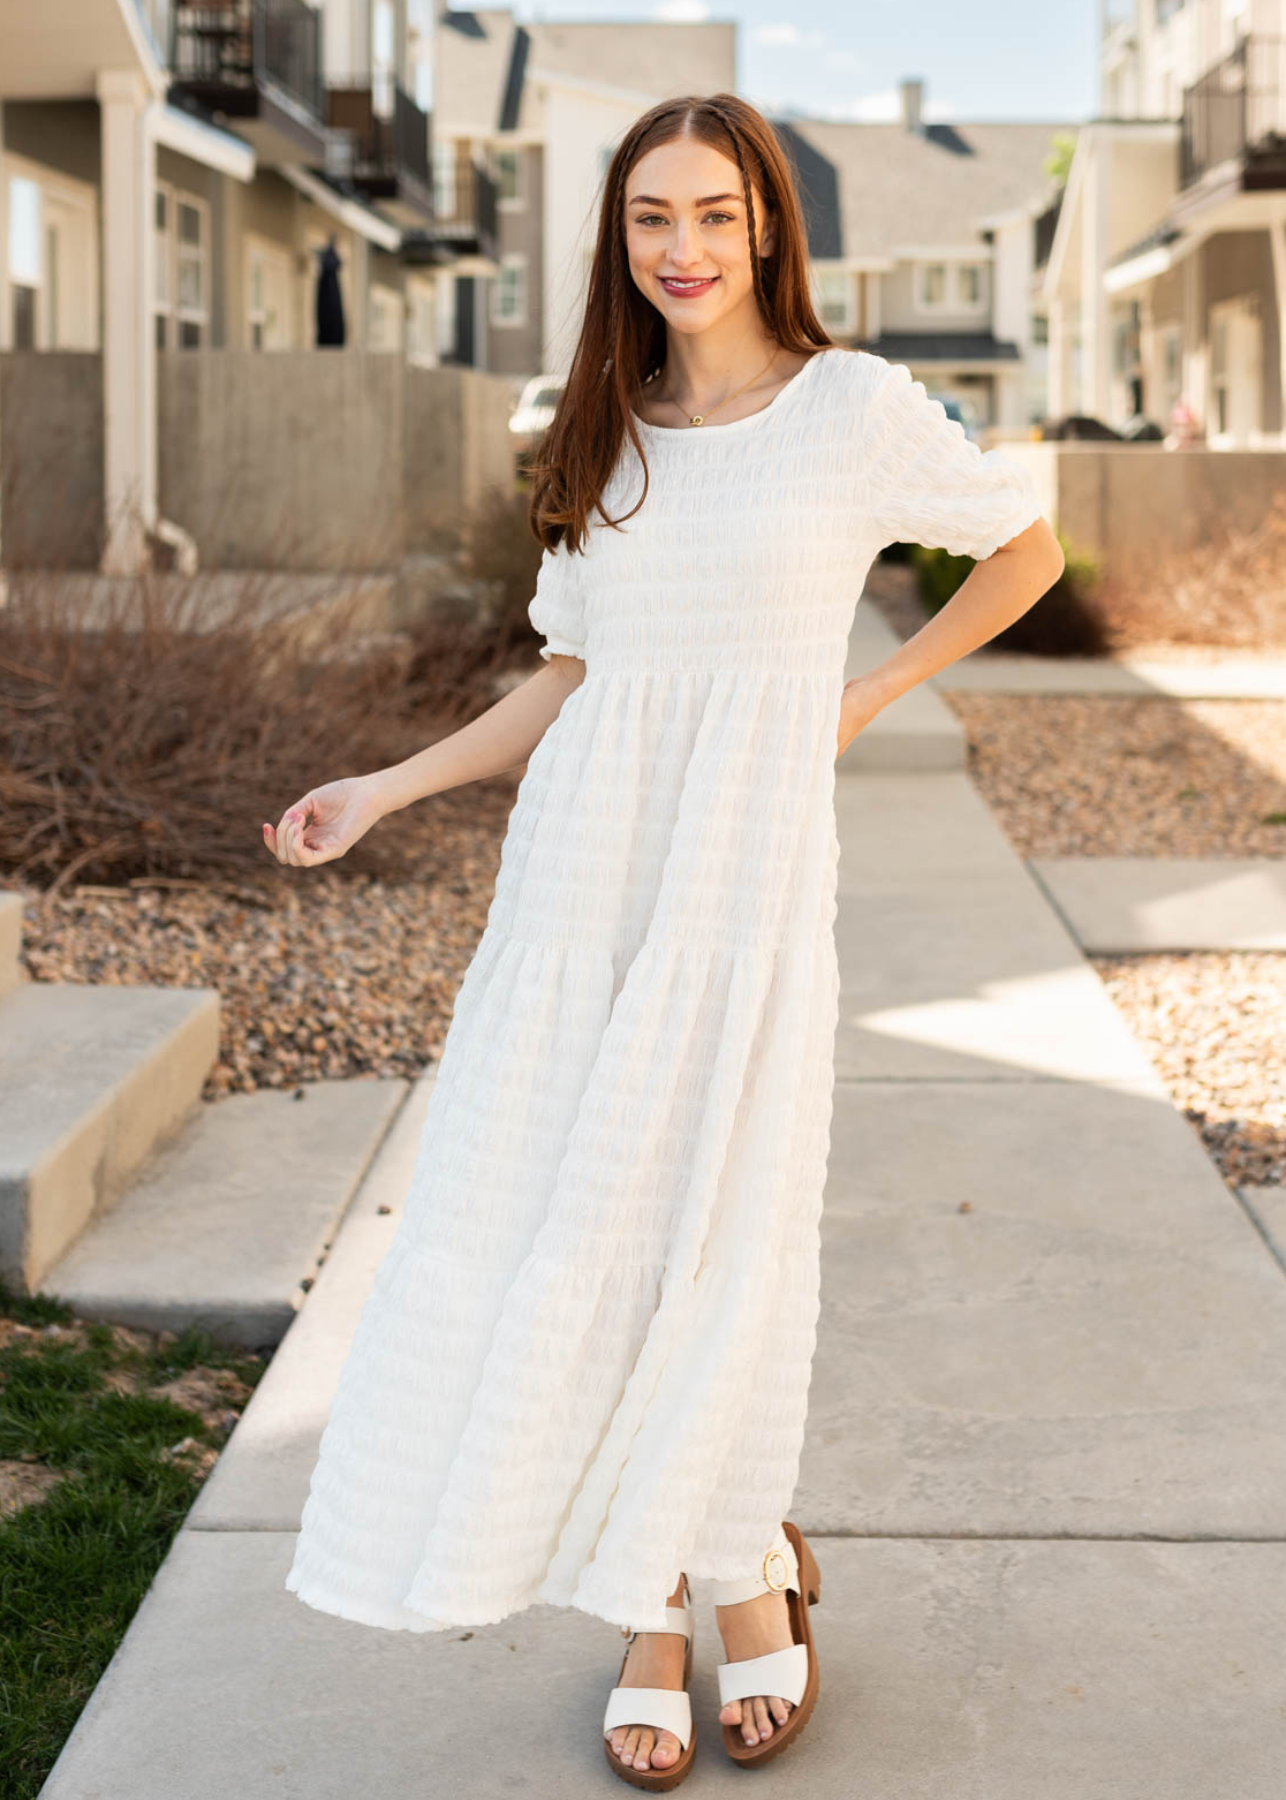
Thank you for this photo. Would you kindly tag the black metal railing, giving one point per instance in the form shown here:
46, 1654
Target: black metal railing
467, 201
379, 147
1237, 106
224, 50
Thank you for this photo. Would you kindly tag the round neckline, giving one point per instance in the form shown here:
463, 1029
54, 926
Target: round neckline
734, 424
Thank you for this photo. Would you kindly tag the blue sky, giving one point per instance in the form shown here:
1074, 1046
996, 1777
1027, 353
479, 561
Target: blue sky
991, 59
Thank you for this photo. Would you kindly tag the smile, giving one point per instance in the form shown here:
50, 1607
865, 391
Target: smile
687, 287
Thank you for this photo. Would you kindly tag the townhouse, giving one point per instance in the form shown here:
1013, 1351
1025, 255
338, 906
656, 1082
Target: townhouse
1165, 285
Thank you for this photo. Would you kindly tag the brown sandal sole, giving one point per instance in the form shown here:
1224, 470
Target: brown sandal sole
749, 1756
657, 1779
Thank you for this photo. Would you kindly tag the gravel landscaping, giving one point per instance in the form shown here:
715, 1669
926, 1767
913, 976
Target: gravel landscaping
326, 973
322, 974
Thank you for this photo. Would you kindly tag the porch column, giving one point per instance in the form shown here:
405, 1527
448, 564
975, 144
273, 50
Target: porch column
129, 344
1095, 339
1056, 360
1277, 238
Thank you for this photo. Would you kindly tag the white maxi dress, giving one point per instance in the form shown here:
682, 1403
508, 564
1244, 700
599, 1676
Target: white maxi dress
583, 1364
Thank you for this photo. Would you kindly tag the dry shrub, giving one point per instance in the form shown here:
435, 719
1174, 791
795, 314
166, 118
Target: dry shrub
1229, 593
145, 733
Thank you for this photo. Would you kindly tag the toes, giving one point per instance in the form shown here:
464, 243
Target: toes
763, 1724
668, 1749
631, 1745
779, 1708
730, 1712
643, 1755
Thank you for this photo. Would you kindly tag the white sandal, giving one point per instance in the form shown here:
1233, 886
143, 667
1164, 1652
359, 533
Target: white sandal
664, 1709
790, 1672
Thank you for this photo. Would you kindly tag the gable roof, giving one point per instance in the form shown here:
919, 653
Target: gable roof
871, 190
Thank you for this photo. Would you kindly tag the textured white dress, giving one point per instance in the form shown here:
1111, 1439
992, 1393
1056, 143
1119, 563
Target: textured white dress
584, 1362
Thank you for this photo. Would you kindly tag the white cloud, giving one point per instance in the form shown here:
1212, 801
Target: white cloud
879, 109
681, 12
789, 36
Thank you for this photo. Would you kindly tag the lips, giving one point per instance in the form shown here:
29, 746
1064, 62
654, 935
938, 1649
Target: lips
683, 290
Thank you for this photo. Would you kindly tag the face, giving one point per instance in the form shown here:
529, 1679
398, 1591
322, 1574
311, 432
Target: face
687, 236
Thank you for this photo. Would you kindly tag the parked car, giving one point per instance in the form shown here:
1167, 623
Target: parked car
530, 418
955, 411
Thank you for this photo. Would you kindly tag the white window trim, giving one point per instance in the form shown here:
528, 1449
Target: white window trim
183, 315
271, 251
951, 301
79, 195
514, 259
445, 172
840, 273
513, 203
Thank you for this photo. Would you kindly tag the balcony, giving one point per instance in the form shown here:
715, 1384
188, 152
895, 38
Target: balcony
385, 154
256, 64
463, 232
1236, 114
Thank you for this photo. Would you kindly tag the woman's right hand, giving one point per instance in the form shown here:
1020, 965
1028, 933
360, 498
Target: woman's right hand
326, 822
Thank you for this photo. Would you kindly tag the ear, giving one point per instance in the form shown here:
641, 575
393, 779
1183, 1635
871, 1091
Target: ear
768, 236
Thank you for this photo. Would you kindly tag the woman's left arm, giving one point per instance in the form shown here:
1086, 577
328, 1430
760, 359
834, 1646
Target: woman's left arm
995, 593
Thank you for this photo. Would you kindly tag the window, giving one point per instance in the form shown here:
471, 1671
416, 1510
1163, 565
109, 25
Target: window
834, 296
509, 292
51, 257
933, 284
969, 284
269, 289
508, 173
181, 300
24, 260
444, 178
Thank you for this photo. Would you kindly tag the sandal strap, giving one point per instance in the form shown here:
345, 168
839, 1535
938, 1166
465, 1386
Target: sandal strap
783, 1672
664, 1709
677, 1618
779, 1572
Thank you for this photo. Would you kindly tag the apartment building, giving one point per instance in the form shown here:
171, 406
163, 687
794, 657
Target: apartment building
197, 174
1166, 279
925, 241
541, 106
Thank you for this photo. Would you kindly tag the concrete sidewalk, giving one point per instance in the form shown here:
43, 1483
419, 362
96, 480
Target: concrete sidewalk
1045, 1472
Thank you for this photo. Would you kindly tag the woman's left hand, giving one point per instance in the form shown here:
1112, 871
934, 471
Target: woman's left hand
858, 706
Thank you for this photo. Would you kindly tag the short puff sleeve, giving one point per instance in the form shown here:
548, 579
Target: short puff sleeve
556, 609
928, 483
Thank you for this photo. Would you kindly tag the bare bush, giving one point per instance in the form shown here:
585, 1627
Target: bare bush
145, 732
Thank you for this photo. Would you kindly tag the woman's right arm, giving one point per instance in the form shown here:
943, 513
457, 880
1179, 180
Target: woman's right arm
498, 739
328, 820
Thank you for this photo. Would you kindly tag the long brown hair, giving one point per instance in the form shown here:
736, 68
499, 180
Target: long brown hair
622, 336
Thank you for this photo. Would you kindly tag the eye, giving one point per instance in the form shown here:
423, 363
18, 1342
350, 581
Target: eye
646, 218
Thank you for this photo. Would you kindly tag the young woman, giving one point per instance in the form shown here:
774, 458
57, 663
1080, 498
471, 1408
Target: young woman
581, 1373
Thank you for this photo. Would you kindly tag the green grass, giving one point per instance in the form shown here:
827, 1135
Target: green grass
75, 1565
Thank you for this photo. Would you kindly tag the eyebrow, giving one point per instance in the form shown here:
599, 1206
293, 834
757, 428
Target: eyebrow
653, 200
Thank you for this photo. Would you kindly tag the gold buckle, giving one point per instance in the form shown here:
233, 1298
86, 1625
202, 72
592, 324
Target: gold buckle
776, 1556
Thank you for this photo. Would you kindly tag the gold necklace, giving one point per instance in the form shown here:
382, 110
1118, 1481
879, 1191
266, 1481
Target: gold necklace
700, 418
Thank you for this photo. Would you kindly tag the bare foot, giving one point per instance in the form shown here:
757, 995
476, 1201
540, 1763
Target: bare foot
753, 1628
654, 1659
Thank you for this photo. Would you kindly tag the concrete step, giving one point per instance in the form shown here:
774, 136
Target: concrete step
1120, 904
92, 1079
226, 1226
12, 973
916, 732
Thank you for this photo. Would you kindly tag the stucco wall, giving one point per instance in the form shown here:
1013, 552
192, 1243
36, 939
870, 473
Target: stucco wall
309, 460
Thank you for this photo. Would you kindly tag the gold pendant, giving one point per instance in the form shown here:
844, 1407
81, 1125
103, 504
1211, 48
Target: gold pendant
697, 419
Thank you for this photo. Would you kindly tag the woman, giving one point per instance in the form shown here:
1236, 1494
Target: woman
581, 1374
